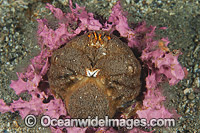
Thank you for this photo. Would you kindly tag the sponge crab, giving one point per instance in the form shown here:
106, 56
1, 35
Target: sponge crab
95, 74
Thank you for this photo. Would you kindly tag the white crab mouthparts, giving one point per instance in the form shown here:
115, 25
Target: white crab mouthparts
92, 73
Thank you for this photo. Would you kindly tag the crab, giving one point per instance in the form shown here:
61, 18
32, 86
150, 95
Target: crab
96, 74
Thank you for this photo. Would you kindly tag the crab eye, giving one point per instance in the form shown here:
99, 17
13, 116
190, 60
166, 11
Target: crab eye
55, 58
97, 39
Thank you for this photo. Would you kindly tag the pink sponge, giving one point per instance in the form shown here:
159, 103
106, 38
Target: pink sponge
5, 108
153, 106
162, 64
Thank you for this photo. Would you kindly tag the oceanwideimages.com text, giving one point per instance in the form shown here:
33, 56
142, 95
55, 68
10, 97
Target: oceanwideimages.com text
46, 121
